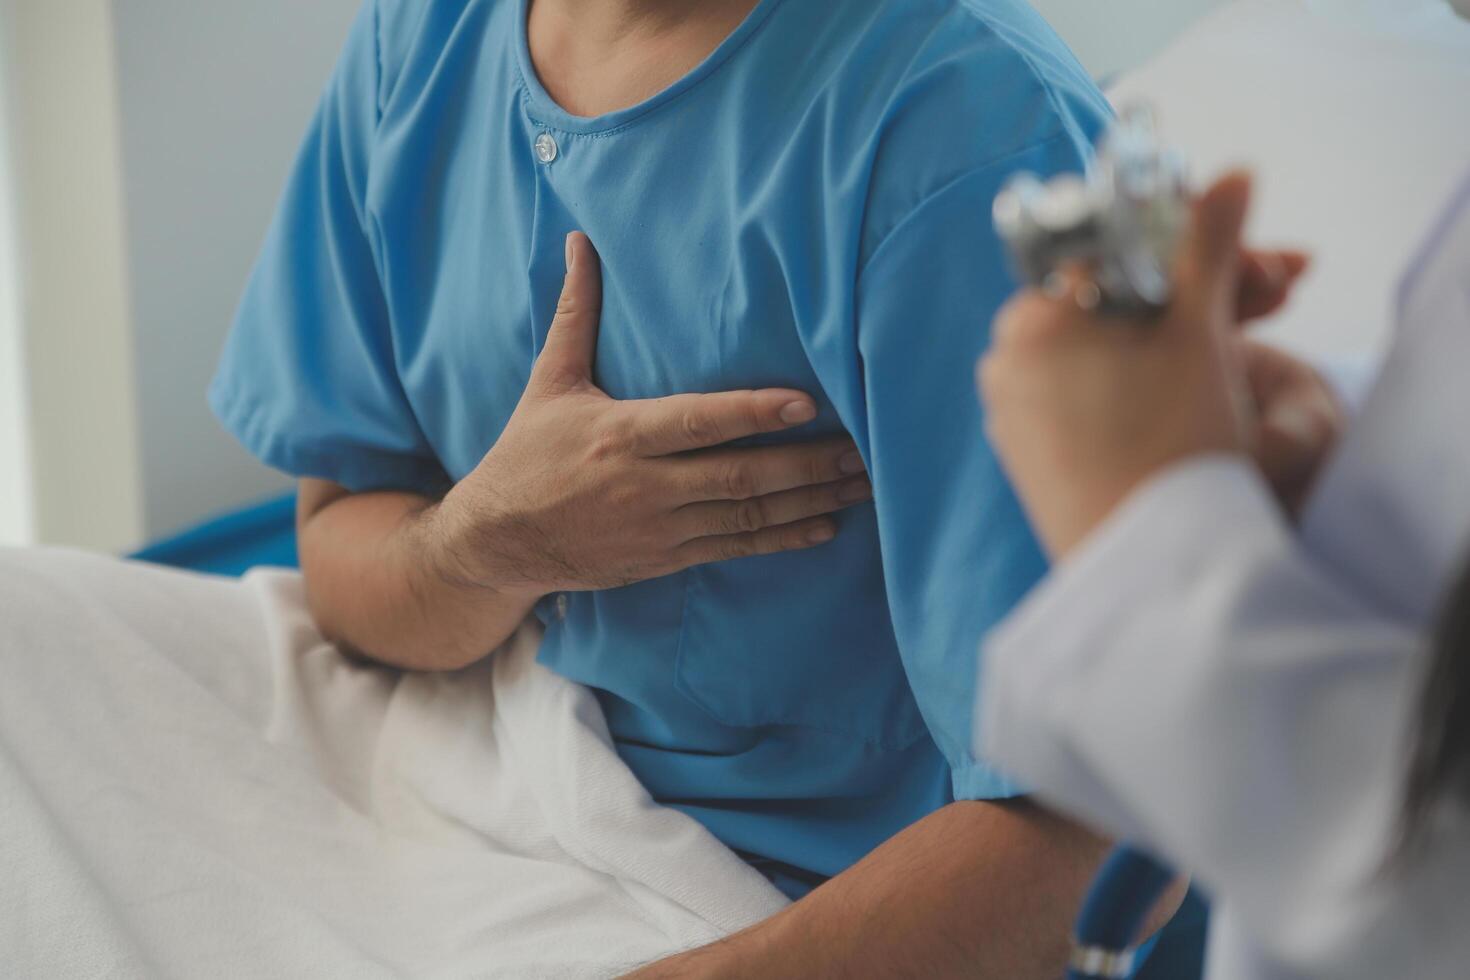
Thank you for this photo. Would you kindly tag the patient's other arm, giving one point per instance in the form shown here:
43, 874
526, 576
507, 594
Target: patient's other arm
579, 492
972, 890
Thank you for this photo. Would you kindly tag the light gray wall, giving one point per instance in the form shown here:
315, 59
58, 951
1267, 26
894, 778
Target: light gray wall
214, 100
1110, 36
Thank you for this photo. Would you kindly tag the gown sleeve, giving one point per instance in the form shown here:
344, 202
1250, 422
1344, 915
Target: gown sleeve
957, 550
999, 95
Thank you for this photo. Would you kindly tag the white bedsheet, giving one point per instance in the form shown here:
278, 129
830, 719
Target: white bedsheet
193, 784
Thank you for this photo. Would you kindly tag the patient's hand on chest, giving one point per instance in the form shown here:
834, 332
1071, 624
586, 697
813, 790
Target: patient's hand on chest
579, 492
585, 492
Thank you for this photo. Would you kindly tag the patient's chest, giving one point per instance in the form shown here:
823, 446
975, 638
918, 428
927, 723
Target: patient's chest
694, 315
708, 285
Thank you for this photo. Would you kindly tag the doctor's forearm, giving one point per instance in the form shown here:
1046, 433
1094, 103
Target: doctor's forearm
380, 581
973, 890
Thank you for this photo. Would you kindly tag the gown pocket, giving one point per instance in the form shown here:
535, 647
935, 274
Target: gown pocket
801, 638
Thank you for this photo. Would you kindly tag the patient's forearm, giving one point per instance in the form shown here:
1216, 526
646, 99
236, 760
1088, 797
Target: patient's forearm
380, 581
974, 890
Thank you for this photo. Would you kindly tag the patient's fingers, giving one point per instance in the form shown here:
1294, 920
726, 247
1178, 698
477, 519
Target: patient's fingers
772, 510
768, 541
1267, 279
680, 423
746, 473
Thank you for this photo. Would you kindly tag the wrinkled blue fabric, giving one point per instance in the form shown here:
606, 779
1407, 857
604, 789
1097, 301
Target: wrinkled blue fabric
810, 207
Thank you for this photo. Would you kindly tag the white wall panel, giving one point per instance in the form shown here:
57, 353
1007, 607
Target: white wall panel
75, 343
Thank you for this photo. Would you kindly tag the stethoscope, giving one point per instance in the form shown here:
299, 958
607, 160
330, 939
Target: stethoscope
1105, 945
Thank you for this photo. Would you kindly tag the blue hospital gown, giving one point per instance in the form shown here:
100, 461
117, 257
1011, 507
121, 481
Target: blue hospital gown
810, 207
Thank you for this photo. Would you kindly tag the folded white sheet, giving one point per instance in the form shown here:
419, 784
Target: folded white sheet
192, 784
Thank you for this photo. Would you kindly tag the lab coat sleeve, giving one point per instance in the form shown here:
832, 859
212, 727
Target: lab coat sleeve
1191, 681
309, 380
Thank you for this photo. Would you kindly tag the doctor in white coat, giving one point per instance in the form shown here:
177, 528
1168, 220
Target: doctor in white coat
1253, 653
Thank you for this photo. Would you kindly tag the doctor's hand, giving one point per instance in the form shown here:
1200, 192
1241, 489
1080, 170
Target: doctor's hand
1297, 417
582, 491
1299, 421
1082, 409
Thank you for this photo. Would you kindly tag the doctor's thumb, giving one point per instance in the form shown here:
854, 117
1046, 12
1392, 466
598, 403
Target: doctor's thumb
1212, 253
571, 342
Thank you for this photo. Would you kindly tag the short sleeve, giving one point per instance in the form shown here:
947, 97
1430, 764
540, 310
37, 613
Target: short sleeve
308, 381
958, 552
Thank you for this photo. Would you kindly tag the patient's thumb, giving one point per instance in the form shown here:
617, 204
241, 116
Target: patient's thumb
571, 341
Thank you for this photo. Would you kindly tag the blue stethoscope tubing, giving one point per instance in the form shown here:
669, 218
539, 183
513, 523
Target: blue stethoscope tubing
1125, 892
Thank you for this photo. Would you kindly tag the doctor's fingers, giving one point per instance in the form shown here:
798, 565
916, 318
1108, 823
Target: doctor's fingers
1294, 442
681, 423
755, 471
1277, 378
772, 510
1300, 417
1267, 279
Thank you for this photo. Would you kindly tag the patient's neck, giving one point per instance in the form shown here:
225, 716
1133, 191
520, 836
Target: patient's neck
596, 56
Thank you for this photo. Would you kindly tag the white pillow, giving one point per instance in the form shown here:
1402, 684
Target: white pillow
1356, 116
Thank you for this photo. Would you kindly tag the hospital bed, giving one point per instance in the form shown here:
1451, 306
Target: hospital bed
1334, 102
263, 533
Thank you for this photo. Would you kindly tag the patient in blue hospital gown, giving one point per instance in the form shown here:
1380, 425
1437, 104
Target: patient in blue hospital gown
805, 208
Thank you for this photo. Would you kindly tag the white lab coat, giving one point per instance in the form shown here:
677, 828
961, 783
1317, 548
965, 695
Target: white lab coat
1205, 680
